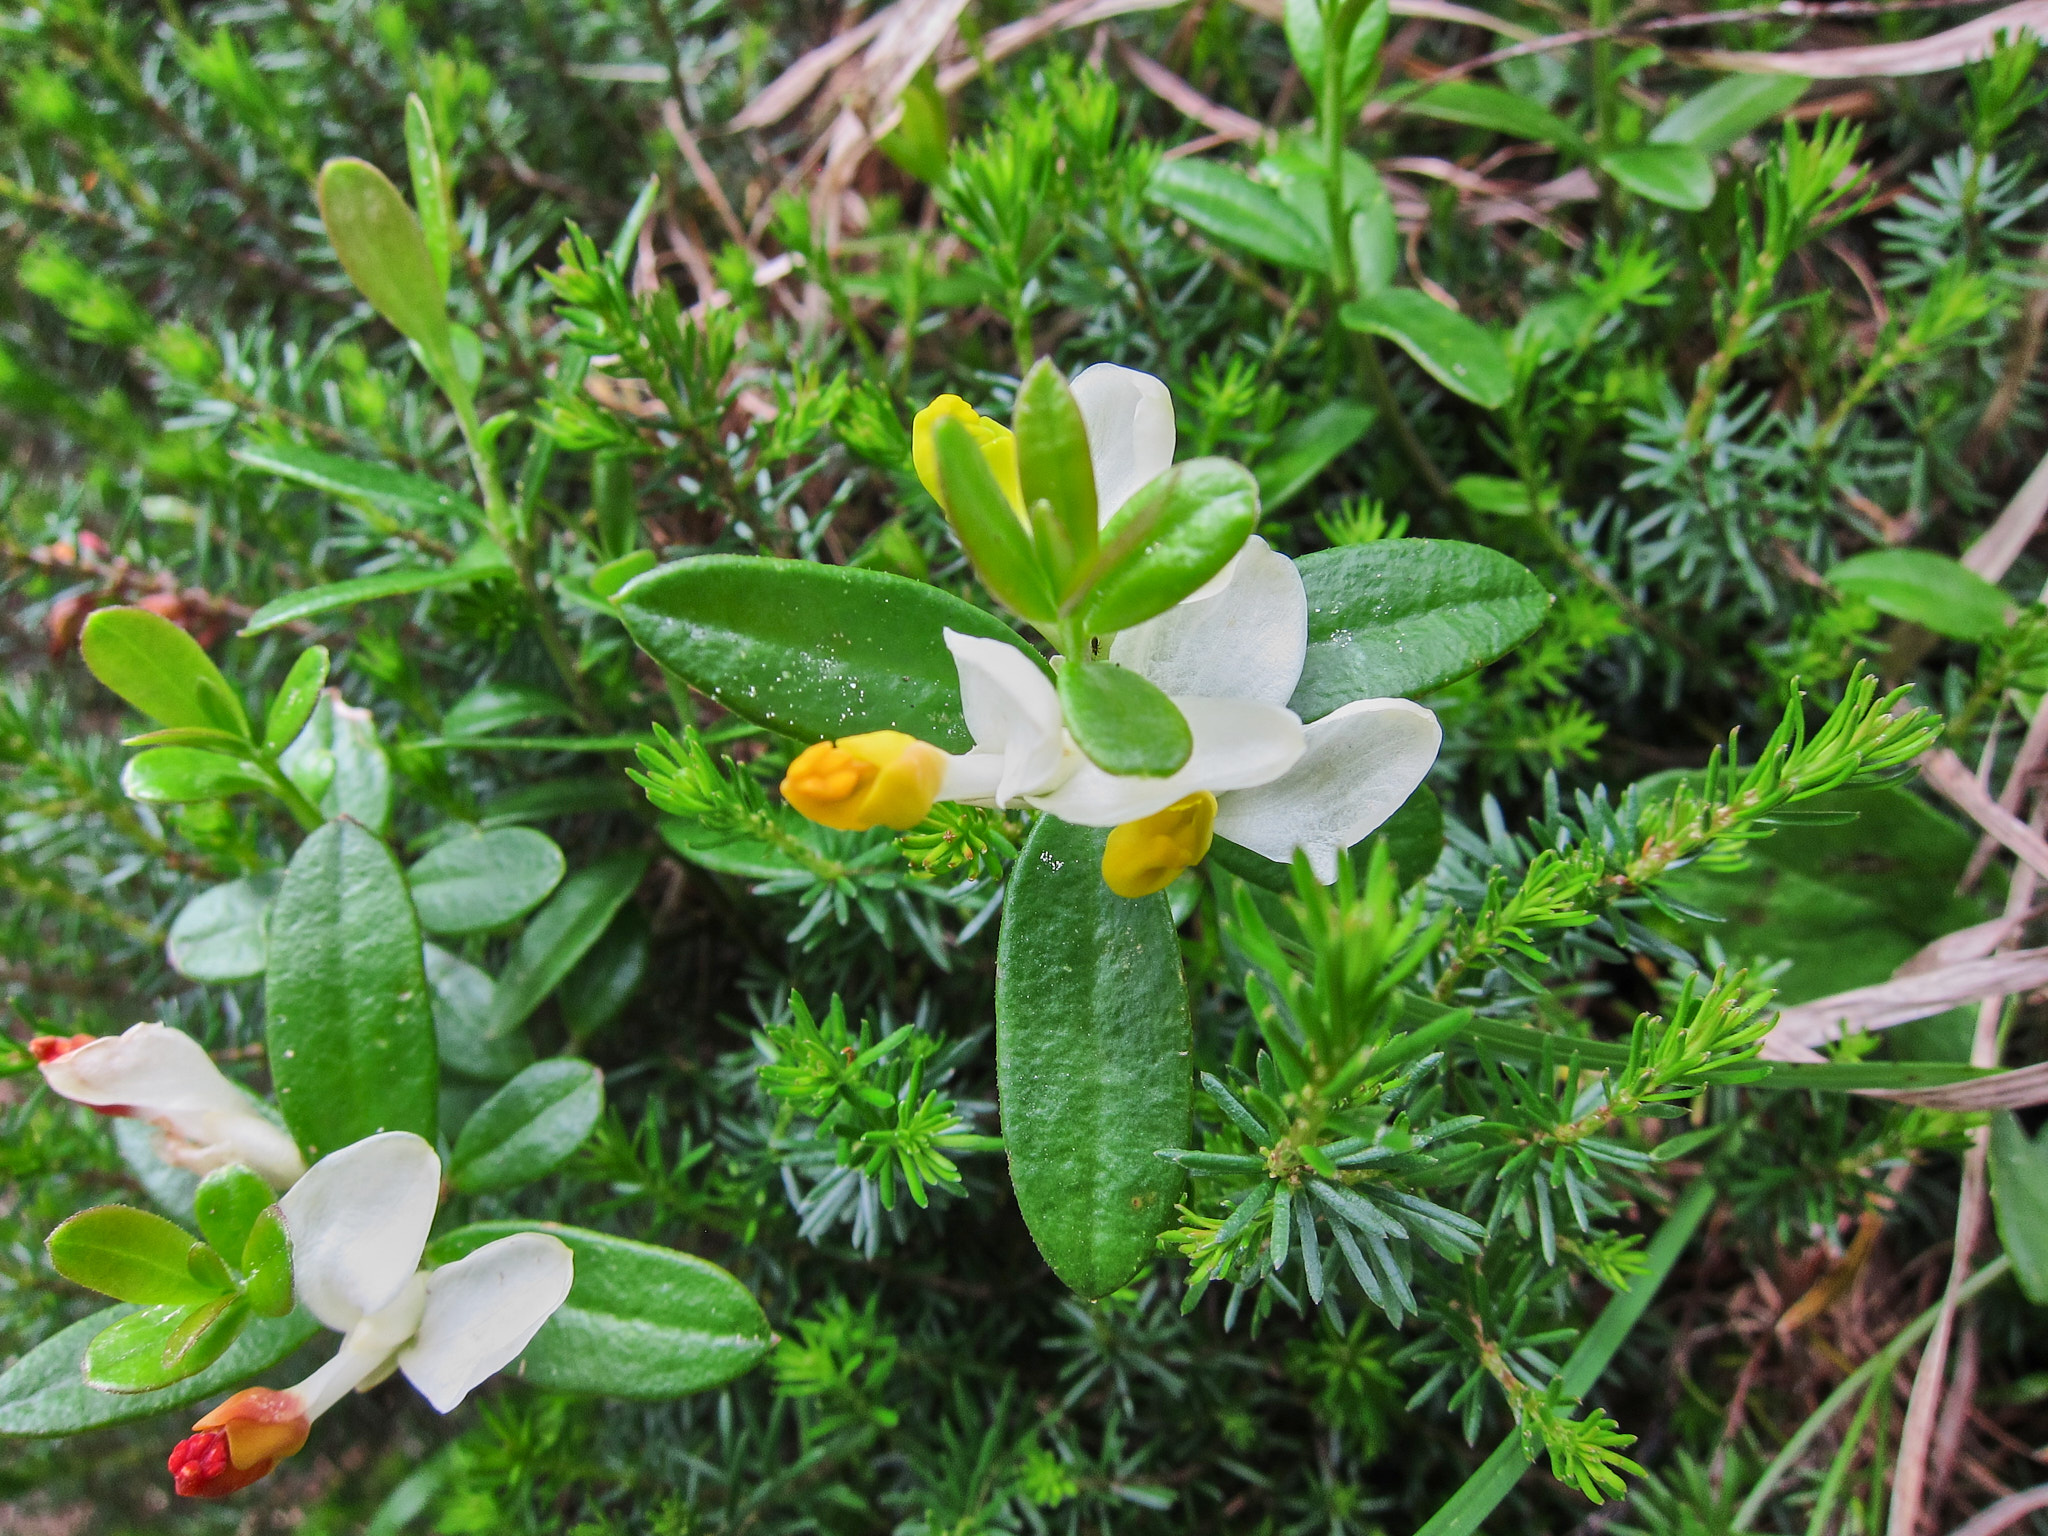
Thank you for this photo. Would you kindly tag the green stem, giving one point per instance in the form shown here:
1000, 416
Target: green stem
1381, 389
304, 812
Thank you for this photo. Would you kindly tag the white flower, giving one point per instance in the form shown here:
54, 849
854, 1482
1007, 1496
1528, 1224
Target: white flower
358, 1223
1230, 660
157, 1074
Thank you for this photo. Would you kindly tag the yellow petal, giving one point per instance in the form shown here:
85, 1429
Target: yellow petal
997, 444
1148, 855
878, 779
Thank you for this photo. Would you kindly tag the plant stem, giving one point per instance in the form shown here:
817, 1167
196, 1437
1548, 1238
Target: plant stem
1382, 391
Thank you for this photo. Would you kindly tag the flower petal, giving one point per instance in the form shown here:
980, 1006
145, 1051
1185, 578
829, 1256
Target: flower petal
484, 1309
358, 1222
1245, 642
1129, 417
152, 1068
1011, 709
1362, 761
1238, 742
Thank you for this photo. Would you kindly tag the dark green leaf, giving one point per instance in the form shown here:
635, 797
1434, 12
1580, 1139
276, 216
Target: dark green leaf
1414, 836
605, 979
2019, 1191
1399, 618
471, 883
227, 1205
491, 707
1726, 110
160, 670
529, 1127
1053, 463
293, 705
640, 1322
1932, 590
462, 1012
44, 1392
384, 253
351, 1029
1227, 205
1174, 533
1093, 1045
1123, 722
482, 561
559, 934
1506, 112
339, 764
812, 651
1465, 357
1675, 175
224, 934
409, 496
1308, 447
129, 1255
989, 529
149, 1350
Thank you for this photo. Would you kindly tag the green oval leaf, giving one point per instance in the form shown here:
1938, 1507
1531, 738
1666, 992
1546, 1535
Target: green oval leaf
640, 1321
293, 705
44, 1392
393, 490
813, 651
529, 1127
351, 1031
471, 883
1124, 723
339, 764
490, 707
1401, 617
227, 1204
224, 934
988, 528
559, 935
482, 561
1093, 1064
384, 253
1726, 110
1924, 588
151, 1349
1675, 175
1052, 459
129, 1255
267, 1264
1488, 106
1307, 447
462, 1012
1227, 205
160, 670
1460, 354
605, 979
1174, 533
177, 775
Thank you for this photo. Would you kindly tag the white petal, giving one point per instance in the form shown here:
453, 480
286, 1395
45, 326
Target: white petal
1011, 710
1362, 762
1245, 642
1129, 417
1238, 742
208, 1139
358, 1223
152, 1068
482, 1311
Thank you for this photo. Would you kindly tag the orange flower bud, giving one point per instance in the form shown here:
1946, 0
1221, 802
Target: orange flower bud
50, 1047
880, 779
239, 1443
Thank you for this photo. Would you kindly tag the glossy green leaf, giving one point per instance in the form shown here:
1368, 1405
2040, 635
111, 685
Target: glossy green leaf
1726, 110
407, 496
339, 764
1399, 618
1675, 175
605, 979
44, 1392
996, 541
529, 1127
1932, 590
1093, 1062
1309, 43
149, 1350
1124, 723
484, 880
1414, 836
1053, 463
462, 1014
812, 651
2019, 1193
223, 934
160, 670
1307, 447
575, 917
1460, 354
640, 1321
129, 1255
226, 1206
177, 775
351, 1029
293, 704
1175, 532
1504, 112
267, 1264
384, 253
1227, 205
482, 561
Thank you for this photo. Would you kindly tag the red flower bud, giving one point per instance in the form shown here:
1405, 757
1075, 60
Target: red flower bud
50, 1047
239, 1443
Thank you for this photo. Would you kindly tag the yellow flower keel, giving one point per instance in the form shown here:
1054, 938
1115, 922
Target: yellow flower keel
1148, 855
879, 779
996, 442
